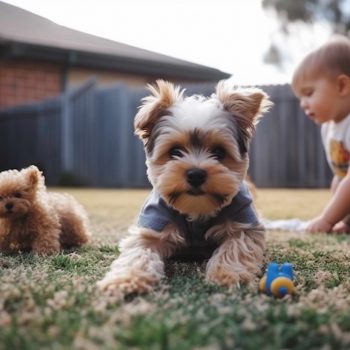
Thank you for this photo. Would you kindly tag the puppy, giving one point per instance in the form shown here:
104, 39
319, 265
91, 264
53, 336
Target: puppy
200, 207
32, 219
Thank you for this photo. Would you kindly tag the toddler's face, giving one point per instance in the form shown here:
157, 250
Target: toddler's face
319, 99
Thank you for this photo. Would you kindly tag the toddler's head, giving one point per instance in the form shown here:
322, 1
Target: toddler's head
322, 81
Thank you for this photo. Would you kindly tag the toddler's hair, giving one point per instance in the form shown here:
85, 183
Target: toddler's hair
329, 60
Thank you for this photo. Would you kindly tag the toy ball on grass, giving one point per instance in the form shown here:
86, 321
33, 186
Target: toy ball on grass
278, 280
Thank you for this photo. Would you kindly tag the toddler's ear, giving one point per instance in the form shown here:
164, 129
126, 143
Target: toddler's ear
163, 96
33, 175
343, 84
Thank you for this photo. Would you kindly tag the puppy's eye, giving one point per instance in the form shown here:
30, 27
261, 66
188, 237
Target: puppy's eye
18, 195
218, 153
175, 152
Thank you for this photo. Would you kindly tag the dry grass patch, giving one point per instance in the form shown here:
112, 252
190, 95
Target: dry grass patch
291, 203
52, 303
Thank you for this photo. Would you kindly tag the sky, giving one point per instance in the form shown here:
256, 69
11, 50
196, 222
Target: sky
229, 35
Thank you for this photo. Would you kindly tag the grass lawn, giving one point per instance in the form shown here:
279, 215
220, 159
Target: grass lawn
51, 302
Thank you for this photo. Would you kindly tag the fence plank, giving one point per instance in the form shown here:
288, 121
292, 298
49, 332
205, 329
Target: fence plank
86, 136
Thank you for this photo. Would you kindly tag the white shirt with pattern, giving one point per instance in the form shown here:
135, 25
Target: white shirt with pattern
336, 142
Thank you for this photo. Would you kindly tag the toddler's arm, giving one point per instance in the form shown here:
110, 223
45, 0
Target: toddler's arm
334, 184
337, 208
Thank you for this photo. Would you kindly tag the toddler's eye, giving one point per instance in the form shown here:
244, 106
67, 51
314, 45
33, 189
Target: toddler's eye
218, 153
175, 152
1, 198
18, 195
308, 93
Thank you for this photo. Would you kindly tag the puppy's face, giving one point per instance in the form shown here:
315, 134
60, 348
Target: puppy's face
18, 189
196, 147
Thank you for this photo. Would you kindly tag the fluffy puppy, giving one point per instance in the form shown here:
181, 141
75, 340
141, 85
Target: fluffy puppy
32, 219
200, 207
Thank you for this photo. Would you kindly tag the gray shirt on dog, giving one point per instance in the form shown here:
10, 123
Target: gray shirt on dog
156, 214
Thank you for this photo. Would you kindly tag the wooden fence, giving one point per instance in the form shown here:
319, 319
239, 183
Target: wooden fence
85, 137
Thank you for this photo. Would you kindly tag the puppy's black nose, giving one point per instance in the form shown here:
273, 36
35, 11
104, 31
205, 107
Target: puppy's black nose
196, 177
9, 206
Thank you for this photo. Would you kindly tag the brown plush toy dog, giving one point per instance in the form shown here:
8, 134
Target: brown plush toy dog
32, 219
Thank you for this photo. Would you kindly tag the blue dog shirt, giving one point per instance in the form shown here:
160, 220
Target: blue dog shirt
156, 214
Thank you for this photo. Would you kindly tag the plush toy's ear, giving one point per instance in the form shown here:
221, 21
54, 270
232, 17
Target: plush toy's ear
246, 105
33, 175
163, 96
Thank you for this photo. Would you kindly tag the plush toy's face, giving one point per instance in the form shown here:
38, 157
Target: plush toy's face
18, 190
196, 148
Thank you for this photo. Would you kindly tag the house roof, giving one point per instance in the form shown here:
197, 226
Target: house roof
24, 34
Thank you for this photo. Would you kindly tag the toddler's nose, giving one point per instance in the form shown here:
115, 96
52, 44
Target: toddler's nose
303, 104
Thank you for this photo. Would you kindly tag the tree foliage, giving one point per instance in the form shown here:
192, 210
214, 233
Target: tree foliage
335, 12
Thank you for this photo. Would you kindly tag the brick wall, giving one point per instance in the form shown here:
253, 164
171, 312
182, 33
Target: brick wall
23, 82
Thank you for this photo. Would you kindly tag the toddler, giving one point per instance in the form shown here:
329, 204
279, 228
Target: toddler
322, 84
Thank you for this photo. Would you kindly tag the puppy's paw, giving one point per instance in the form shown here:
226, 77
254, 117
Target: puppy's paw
221, 277
126, 284
226, 278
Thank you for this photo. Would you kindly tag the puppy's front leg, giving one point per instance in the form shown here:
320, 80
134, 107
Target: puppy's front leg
238, 258
140, 264
136, 270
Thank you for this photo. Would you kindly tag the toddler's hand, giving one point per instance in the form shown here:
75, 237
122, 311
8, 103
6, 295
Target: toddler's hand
318, 224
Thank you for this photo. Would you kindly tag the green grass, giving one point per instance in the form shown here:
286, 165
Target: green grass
52, 303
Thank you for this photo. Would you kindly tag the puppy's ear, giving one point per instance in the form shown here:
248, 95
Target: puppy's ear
163, 95
33, 176
246, 105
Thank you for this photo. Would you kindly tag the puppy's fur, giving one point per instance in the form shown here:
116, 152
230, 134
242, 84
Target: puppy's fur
197, 160
32, 219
